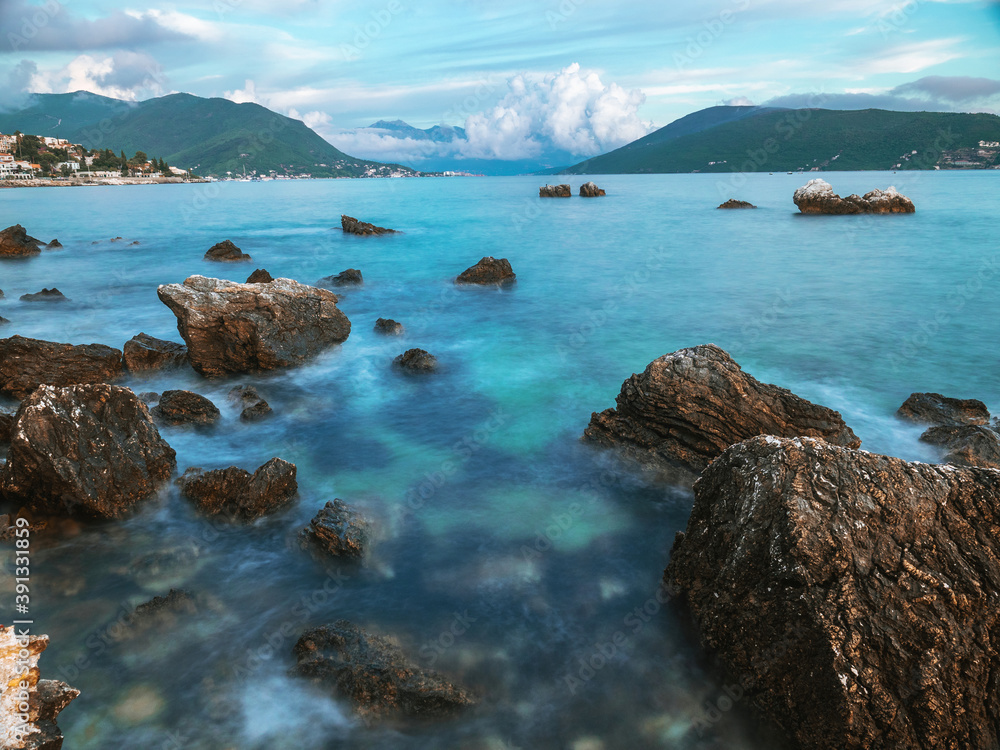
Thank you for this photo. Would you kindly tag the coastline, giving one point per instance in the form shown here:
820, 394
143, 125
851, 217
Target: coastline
100, 181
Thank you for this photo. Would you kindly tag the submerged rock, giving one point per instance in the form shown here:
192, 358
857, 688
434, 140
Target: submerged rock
161, 613
46, 295
590, 190
56, 245
185, 407
488, 270
144, 352
226, 252
231, 327
687, 407
388, 327
966, 445
555, 191
933, 408
374, 674
733, 203
35, 728
84, 450
350, 277
16, 243
253, 406
362, 228
817, 197
338, 530
854, 596
416, 360
26, 364
260, 276
240, 495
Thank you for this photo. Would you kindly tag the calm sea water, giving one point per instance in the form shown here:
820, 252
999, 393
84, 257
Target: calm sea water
493, 520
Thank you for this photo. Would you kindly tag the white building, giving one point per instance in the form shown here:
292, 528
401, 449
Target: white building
73, 166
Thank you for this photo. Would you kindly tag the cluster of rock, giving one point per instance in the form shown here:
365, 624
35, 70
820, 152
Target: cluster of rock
15, 242
362, 228
961, 427
587, 190
488, 270
239, 495
817, 197
733, 203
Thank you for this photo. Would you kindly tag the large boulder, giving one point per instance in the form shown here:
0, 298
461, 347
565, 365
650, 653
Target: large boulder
817, 197
35, 728
555, 191
362, 228
16, 243
239, 495
966, 445
337, 530
185, 407
488, 270
226, 252
374, 674
933, 408
26, 364
590, 190
854, 597
687, 407
145, 352
230, 327
84, 450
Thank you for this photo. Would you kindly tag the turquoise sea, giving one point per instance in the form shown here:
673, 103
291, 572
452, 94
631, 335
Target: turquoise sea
509, 556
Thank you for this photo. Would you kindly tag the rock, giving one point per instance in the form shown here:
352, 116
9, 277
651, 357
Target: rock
374, 674
687, 407
853, 596
3, 321
46, 295
1, 293
15, 243
84, 450
36, 728
259, 409
143, 352
489, 270
338, 530
161, 613
416, 360
54, 245
817, 197
733, 203
253, 406
240, 495
226, 252
967, 445
260, 276
590, 190
388, 327
149, 397
133, 243
185, 407
27, 363
230, 327
350, 277
352, 226
555, 191
933, 408
6, 425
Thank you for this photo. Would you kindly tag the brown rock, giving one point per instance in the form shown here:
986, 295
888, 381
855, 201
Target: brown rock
352, 226
555, 191
185, 407
388, 327
416, 360
260, 276
967, 445
852, 596
239, 495
817, 197
350, 277
933, 408
489, 270
590, 190
46, 295
733, 203
56, 245
253, 406
226, 252
15, 243
6, 425
338, 530
27, 363
143, 352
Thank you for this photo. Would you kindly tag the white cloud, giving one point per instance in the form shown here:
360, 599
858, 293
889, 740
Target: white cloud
247, 94
124, 75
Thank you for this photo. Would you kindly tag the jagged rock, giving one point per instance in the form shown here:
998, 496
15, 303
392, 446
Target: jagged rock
84, 450
36, 728
853, 596
350, 277
352, 226
733, 203
966, 445
687, 407
388, 327
590, 190
817, 197
185, 407
416, 360
374, 674
240, 495
933, 408
46, 295
260, 276
27, 363
55, 245
488, 270
226, 252
253, 406
231, 327
555, 191
338, 530
6, 425
144, 352
15, 243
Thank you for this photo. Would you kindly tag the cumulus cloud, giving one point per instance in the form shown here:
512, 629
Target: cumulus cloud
124, 75
247, 94
933, 93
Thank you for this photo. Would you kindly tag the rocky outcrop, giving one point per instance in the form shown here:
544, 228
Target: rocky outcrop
933, 408
230, 327
362, 228
185, 407
350, 277
488, 270
555, 191
16, 243
260, 276
252, 405
416, 360
337, 530
388, 327
967, 445
590, 190
687, 407
57, 245
26, 364
226, 252
374, 674
84, 450
733, 203
46, 295
144, 352
852, 596
817, 197
34, 727
239, 495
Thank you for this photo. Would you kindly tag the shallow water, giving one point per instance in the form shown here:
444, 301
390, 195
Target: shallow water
486, 504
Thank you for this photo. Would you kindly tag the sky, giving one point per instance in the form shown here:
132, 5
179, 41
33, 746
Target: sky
529, 79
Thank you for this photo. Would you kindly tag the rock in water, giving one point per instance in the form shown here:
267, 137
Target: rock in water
6, 425
144, 352
231, 327
555, 191
185, 407
15, 243
362, 228
733, 203
374, 674
253, 406
240, 495
590, 190
26, 364
416, 360
854, 596
46, 295
84, 450
489, 270
933, 408
260, 276
22, 684
350, 277
687, 407
967, 445
338, 530
226, 252
817, 197
388, 327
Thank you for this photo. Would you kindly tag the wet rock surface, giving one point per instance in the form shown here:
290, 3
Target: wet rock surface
239, 495
15, 242
184, 407
338, 530
933, 408
967, 445
46, 295
226, 252
252, 405
143, 352
733, 203
555, 191
260, 276
350, 277
488, 270
590, 190
416, 360
362, 228
817, 197
27, 363
388, 327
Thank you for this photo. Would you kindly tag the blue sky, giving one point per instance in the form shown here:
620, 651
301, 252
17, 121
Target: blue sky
579, 76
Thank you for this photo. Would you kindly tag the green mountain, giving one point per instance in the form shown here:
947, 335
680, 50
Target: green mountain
213, 136
803, 139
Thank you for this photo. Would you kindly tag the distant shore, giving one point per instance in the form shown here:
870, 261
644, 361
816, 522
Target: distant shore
99, 181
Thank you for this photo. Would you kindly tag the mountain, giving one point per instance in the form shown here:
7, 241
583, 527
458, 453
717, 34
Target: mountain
803, 139
438, 133
213, 136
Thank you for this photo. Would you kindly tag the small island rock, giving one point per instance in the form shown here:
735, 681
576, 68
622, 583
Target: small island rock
46, 295
350, 277
388, 327
817, 197
416, 360
933, 408
260, 276
555, 191
590, 190
15, 243
489, 270
338, 530
362, 228
226, 252
185, 407
733, 203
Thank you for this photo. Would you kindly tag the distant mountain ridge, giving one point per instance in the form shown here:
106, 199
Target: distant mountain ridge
438, 133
